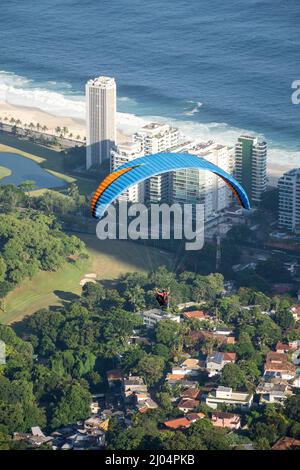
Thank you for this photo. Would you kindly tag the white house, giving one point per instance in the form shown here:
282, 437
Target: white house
226, 396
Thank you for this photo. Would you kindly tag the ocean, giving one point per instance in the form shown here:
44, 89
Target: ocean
214, 68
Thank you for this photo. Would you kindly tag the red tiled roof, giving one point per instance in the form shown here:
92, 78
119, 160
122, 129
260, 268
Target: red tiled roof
190, 404
115, 374
175, 377
286, 443
228, 356
195, 416
191, 393
196, 314
177, 423
283, 367
282, 346
276, 358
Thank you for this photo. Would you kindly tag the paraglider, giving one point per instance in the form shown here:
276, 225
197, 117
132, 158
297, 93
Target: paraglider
162, 297
143, 168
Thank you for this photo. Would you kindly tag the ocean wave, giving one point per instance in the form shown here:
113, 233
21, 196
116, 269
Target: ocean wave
20, 91
194, 110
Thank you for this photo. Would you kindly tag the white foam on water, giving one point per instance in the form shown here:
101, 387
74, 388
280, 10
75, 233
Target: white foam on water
20, 91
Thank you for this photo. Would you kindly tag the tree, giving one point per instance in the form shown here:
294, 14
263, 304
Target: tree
136, 298
166, 332
273, 270
73, 405
284, 319
292, 408
267, 332
233, 376
27, 185
151, 368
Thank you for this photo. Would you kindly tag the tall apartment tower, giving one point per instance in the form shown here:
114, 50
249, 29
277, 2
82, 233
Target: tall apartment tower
251, 166
204, 187
289, 200
124, 153
100, 119
156, 138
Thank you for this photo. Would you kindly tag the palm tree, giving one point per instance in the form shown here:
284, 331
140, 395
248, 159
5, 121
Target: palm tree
45, 129
65, 130
58, 130
31, 126
12, 120
6, 119
38, 127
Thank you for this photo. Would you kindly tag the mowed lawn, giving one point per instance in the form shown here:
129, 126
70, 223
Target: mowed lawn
108, 259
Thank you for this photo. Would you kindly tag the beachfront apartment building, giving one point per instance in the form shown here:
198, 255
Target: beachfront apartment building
251, 166
289, 200
100, 120
155, 138
124, 153
204, 187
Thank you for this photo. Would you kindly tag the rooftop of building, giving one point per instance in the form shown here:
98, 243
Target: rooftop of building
102, 82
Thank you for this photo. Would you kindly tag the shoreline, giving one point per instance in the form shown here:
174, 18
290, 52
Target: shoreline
76, 127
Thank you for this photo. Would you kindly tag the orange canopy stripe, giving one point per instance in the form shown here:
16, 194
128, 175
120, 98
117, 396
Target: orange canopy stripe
107, 182
233, 190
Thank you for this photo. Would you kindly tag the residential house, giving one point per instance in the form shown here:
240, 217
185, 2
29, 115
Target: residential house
183, 380
96, 422
296, 382
191, 393
295, 310
114, 378
223, 331
287, 443
186, 405
282, 348
204, 335
145, 402
226, 396
35, 439
190, 367
183, 422
217, 360
134, 384
272, 392
278, 365
178, 423
197, 314
152, 317
226, 420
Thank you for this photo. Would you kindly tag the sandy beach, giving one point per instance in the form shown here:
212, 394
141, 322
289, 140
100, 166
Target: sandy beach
76, 127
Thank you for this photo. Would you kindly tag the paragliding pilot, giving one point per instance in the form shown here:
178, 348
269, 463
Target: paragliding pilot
162, 297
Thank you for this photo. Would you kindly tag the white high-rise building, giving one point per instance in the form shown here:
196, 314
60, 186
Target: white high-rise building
251, 166
100, 120
124, 153
204, 187
156, 138
289, 200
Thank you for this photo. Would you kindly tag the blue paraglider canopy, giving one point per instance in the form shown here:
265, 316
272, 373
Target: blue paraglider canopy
143, 168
